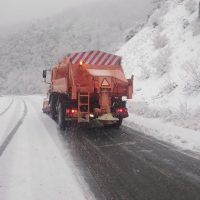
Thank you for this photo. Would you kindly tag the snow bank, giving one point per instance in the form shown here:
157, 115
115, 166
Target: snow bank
185, 139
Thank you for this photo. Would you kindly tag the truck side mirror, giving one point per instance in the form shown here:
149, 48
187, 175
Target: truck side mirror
44, 73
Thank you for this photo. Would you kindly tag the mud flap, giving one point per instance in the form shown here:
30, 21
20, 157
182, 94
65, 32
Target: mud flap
46, 107
107, 119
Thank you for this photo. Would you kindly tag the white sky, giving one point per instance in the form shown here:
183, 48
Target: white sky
13, 12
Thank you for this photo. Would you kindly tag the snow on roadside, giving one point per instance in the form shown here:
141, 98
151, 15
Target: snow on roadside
185, 139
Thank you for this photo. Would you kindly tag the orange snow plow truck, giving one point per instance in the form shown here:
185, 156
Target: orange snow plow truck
88, 86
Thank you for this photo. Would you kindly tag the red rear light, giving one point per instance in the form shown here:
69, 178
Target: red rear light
67, 110
74, 111
125, 110
120, 110
71, 111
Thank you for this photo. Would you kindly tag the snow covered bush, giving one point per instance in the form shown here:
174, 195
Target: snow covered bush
197, 112
139, 108
162, 61
191, 6
160, 41
185, 23
142, 108
192, 70
168, 87
130, 33
155, 18
184, 111
196, 27
145, 73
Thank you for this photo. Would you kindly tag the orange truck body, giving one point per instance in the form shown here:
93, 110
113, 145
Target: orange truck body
95, 76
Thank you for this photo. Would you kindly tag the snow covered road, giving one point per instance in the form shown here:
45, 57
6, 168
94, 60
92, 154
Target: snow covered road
11, 118
31, 164
5, 104
37, 161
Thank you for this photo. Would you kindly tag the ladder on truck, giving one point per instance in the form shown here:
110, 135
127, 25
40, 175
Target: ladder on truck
83, 101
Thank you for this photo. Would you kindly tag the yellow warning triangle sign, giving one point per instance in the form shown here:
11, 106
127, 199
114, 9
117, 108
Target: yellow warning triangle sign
105, 83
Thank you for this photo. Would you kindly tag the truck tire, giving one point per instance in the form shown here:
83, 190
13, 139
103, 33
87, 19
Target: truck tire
53, 107
71, 124
61, 116
119, 123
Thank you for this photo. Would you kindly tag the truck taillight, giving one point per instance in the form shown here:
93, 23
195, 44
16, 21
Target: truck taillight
67, 110
74, 110
121, 110
125, 110
71, 111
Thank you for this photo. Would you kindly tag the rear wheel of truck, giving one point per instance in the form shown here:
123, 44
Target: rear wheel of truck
61, 116
114, 125
53, 107
71, 124
118, 123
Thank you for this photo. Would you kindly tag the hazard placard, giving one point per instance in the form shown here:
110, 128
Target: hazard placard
105, 83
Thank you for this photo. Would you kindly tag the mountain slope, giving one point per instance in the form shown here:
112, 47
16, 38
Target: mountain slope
101, 25
164, 56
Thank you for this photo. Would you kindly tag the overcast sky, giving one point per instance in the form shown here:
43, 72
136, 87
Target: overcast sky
13, 12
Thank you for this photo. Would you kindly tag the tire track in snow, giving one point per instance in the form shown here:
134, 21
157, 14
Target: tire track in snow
13, 131
8, 107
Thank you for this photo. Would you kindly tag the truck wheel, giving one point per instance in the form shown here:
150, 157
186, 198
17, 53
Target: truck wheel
61, 116
53, 108
119, 123
71, 124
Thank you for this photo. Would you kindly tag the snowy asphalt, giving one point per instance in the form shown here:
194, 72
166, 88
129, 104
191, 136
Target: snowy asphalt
41, 162
129, 165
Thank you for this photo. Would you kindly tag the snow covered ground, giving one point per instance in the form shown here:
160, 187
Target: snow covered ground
4, 104
32, 164
183, 138
164, 57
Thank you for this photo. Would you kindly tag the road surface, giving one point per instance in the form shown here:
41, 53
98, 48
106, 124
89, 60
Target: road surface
38, 161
